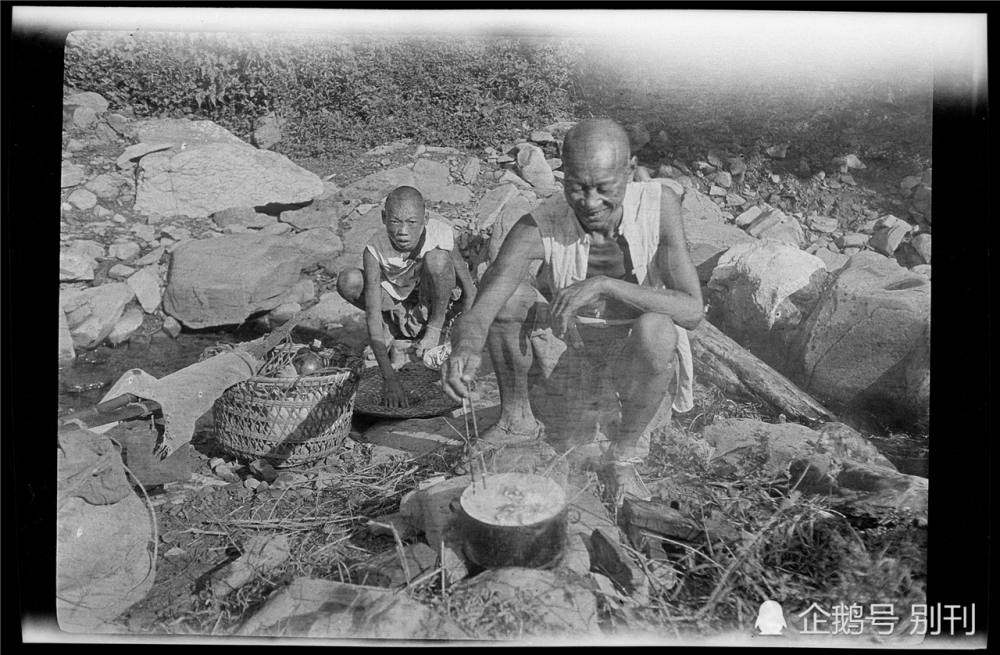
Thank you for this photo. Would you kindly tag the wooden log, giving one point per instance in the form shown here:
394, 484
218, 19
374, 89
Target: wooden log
724, 363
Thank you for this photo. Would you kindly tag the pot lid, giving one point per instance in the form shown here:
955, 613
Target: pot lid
513, 499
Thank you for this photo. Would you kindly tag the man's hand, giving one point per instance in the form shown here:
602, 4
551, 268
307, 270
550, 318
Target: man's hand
459, 371
568, 301
394, 395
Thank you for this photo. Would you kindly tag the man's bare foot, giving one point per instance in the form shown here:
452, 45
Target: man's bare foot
507, 434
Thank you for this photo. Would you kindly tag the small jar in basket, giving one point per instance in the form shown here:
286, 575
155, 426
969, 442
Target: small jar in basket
296, 410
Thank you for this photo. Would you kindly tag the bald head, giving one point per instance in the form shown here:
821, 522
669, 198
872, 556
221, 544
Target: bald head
404, 198
597, 139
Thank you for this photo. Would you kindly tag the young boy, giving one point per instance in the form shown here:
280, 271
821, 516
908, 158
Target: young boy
408, 284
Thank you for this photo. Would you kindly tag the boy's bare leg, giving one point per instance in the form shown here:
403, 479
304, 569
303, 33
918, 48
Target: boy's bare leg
439, 275
351, 286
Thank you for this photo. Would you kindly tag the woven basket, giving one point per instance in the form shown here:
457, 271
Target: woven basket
289, 421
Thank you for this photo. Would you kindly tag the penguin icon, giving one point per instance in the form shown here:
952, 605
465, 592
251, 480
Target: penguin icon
770, 618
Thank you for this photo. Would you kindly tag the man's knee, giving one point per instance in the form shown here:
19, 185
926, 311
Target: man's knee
654, 341
519, 305
438, 262
351, 284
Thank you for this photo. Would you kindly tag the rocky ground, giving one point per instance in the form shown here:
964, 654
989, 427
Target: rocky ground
175, 228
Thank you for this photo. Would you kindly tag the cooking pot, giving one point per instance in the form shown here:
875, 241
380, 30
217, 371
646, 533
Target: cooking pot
512, 519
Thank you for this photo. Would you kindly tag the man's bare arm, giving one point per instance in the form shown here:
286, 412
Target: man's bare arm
522, 246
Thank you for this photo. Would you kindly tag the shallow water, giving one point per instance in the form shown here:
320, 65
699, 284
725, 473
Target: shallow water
85, 383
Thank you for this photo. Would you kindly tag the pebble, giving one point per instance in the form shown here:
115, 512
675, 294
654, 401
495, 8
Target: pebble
909, 182
124, 251
853, 240
153, 257
775, 179
171, 326
840, 164
848, 179
834, 184
823, 223
716, 191
854, 162
850, 252
120, 271
723, 179
922, 269
177, 233
747, 217
82, 199
734, 199
420, 150
922, 244
540, 136
276, 228
235, 229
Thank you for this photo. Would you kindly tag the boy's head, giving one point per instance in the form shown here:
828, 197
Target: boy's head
404, 217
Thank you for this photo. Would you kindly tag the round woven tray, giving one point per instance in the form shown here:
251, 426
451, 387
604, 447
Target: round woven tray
288, 421
422, 386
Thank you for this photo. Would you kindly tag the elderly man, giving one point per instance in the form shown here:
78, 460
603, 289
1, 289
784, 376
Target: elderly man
603, 324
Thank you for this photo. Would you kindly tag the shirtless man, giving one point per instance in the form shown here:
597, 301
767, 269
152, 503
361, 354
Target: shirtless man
604, 313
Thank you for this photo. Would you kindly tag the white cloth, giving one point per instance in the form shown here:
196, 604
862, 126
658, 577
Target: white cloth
400, 274
567, 247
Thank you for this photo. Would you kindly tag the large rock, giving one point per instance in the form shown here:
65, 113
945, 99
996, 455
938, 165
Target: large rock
267, 131
827, 461
134, 153
245, 216
533, 168
330, 309
488, 208
109, 186
922, 201
708, 239
850, 444
922, 244
72, 175
146, 284
126, 326
89, 99
862, 344
319, 213
222, 281
361, 228
181, 133
82, 199
75, 266
772, 223
377, 186
205, 179
67, 353
92, 313
326, 609
317, 245
431, 179
767, 285
696, 206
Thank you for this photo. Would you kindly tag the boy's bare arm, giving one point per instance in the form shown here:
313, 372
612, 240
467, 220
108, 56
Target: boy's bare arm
373, 314
464, 279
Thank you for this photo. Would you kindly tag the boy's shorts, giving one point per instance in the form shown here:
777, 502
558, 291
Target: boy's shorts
407, 318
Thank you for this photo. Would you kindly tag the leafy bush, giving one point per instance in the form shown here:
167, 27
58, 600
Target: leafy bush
333, 92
